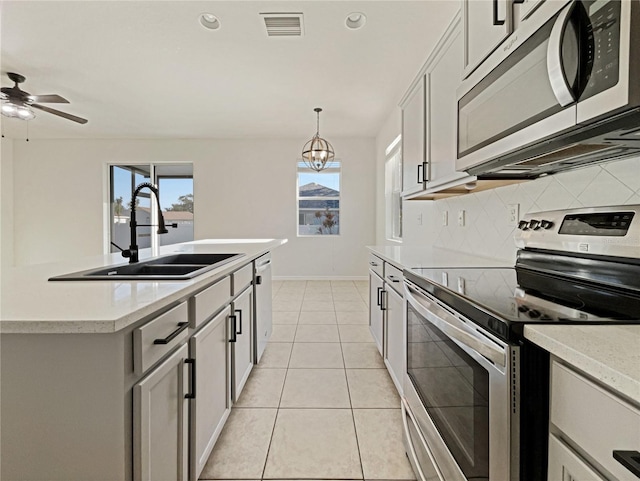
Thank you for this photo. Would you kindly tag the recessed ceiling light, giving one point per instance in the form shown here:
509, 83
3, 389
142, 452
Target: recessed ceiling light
209, 21
355, 20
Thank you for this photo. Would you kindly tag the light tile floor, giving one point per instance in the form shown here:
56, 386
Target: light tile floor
320, 405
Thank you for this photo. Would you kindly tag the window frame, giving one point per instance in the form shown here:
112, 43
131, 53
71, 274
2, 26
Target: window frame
393, 190
334, 168
108, 194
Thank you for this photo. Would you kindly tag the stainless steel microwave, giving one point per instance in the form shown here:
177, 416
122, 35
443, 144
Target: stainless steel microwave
563, 91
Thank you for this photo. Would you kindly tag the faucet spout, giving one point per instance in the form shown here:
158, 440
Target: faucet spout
132, 251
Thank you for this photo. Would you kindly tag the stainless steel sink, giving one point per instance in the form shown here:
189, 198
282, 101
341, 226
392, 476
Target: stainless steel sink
170, 267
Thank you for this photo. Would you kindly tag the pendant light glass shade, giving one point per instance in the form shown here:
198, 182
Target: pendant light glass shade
317, 152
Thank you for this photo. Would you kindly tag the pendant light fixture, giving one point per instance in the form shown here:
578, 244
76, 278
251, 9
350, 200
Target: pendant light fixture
317, 152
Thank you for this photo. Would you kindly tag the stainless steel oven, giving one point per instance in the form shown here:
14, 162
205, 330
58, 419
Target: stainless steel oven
476, 391
461, 393
561, 91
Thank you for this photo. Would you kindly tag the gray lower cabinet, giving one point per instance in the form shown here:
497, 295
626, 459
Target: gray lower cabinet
160, 425
394, 357
242, 347
376, 314
211, 405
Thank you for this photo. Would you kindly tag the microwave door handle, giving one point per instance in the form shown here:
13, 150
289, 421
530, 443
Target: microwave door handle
446, 323
557, 78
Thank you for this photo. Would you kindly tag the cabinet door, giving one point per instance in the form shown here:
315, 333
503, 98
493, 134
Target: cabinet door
160, 418
445, 76
394, 352
211, 406
263, 302
376, 287
565, 465
242, 348
487, 23
414, 140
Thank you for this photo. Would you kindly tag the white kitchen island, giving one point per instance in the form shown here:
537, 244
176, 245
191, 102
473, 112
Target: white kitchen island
78, 377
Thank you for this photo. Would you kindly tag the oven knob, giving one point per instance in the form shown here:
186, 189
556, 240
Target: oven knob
534, 224
523, 225
534, 314
523, 308
546, 224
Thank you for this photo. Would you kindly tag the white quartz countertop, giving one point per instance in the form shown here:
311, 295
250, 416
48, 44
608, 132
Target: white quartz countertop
30, 303
609, 354
409, 257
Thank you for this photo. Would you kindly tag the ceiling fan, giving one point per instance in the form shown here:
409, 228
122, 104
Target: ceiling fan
17, 103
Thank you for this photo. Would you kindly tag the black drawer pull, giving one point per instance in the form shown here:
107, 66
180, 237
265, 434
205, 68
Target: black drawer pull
393, 278
239, 311
192, 394
496, 22
233, 329
630, 460
374, 264
181, 327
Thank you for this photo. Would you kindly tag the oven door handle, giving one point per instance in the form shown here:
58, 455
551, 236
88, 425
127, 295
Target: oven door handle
447, 323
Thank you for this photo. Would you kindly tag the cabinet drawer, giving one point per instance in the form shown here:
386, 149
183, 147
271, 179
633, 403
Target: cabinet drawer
242, 278
393, 277
159, 336
376, 265
565, 464
593, 418
209, 301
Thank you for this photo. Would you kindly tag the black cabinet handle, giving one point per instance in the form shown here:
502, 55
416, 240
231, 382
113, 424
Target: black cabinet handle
181, 327
393, 278
239, 311
383, 306
630, 460
192, 394
496, 22
379, 292
374, 264
419, 176
258, 280
233, 329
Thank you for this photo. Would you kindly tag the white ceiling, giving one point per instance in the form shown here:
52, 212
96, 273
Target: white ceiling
147, 69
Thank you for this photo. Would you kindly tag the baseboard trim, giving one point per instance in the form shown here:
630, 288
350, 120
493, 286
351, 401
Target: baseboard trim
320, 278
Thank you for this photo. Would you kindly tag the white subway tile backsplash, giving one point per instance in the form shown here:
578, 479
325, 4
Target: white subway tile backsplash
487, 231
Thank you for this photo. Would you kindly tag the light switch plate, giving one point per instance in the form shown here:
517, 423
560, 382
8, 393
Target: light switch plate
514, 214
461, 218
445, 218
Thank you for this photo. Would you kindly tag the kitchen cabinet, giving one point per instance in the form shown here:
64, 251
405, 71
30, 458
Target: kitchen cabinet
394, 345
487, 23
414, 137
594, 434
376, 286
242, 345
211, 405
160, 426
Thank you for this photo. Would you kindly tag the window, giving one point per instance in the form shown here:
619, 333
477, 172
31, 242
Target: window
319, 200
175, 185
393, 191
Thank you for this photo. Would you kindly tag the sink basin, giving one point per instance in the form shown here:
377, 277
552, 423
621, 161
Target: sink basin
170, 267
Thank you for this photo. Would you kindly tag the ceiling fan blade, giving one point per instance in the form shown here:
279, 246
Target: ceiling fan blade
50, 99
74, 118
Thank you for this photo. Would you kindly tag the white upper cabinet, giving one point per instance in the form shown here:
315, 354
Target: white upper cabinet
444, 77
487, 23
414, 138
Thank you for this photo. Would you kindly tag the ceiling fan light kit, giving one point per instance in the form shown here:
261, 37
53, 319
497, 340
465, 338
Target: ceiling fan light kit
19, 104
318, 152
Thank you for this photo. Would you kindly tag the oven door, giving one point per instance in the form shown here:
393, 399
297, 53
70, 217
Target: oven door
526, 91
458, 391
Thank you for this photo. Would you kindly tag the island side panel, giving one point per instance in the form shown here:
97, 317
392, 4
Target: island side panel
66, 407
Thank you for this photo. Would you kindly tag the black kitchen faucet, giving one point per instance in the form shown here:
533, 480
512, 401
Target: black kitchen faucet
132, 251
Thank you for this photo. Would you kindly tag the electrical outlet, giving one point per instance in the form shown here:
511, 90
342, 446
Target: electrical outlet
445, 218
461, 218
514, 214
419, 219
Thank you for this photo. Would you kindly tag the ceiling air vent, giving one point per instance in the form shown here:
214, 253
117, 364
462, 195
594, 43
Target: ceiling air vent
283, 24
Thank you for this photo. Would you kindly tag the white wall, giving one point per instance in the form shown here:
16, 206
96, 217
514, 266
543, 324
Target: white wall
487, 231
242, 188
6, 208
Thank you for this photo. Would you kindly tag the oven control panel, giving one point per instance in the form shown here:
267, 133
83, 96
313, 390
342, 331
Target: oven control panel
608, 231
